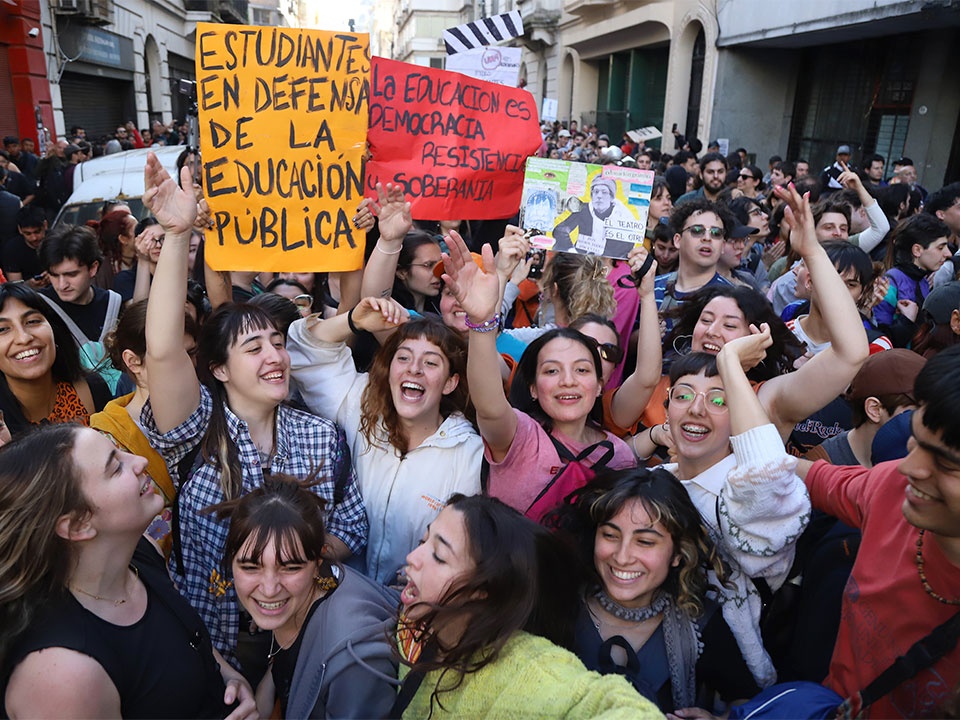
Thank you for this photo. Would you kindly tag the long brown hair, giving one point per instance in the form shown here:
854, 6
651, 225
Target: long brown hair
379, 422
39, 483
520, 582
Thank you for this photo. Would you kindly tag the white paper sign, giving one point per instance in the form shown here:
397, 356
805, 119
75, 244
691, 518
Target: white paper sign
644, 134
499, 65
549, 110
724, 144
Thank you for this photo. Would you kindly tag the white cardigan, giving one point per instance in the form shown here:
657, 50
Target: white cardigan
402, 495
762, 507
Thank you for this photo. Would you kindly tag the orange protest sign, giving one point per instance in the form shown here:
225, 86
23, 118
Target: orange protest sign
283, 121
457, 145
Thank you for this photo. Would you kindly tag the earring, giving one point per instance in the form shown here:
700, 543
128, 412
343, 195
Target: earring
683, 340
325, 583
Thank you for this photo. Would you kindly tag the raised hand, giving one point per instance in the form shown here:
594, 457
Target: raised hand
748, 351
773, 252
476, 289
635, 259
803, 234
173, 207
513, 248
393, 211
364, 218
378, 314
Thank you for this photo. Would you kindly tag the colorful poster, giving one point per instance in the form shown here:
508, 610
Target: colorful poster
283, 119
587, 209
455, 144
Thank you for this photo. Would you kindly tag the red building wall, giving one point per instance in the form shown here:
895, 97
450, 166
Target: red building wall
29, 83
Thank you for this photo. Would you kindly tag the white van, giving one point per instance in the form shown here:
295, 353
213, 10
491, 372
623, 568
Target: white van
113, 177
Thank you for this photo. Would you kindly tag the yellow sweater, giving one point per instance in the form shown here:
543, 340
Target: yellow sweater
533, 678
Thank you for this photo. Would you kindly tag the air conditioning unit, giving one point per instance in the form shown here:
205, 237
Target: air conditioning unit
95, 12
66, 7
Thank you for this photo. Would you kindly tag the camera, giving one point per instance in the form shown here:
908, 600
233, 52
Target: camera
33, 32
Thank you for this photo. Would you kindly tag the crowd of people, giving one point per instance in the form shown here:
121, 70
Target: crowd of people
719, 477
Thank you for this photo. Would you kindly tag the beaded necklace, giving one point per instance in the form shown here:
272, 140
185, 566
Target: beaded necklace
923, 575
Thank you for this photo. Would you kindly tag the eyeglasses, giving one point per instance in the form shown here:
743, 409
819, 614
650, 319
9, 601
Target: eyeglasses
699, 231
758, 212
715, 401
611, 352
429, 265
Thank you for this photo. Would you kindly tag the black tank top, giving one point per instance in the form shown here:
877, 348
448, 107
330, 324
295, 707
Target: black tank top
162, 665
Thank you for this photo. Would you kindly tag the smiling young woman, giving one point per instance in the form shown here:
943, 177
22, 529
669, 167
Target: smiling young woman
555, 394
480, 621
233, 426
405, 419
329, 655
645, 612
41, 378
84, 593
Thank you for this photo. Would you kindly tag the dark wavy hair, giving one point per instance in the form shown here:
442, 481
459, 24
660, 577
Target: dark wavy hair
66, 364
412, 241
379, 422
922, 230
525, 376
521, 581
666, 501
756, 310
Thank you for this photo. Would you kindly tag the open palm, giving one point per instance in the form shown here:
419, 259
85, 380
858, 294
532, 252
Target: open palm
173, 207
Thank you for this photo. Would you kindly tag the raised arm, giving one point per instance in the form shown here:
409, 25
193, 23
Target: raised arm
879, 225
746, 411
790, 398
393, 212
634, 393
478, 292
172, 380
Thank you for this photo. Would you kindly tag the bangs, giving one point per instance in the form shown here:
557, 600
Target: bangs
286, 546
245, 318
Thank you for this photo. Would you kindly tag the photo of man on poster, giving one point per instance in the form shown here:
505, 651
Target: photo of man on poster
592, 221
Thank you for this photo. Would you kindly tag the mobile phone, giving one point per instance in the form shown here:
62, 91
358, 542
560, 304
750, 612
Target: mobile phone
674, 128
539, 257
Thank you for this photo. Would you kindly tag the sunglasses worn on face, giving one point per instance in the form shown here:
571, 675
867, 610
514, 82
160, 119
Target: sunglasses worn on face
698, 231
715, 401
747, 177
610, 352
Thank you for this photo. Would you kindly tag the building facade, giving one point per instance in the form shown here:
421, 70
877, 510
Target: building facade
872, 74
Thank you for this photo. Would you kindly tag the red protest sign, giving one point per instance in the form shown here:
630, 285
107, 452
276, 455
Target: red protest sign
457, 145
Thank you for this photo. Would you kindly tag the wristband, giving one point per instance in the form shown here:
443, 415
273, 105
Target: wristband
484, 327
353, 328
385, 252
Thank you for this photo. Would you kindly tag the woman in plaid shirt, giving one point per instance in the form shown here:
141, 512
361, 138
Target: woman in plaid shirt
235, 416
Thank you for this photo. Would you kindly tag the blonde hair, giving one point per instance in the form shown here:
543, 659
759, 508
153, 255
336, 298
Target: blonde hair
577, 285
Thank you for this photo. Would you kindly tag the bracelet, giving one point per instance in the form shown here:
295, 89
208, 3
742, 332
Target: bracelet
392, 252
484, 327
353, 328
636, 453
661, 426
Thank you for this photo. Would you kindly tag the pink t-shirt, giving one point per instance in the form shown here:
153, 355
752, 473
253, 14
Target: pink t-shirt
624, 317
532, 461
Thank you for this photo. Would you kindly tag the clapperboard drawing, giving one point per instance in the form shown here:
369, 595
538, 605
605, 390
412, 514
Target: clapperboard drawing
484, 31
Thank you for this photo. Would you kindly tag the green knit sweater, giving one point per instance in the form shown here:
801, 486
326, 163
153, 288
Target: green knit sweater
533, 678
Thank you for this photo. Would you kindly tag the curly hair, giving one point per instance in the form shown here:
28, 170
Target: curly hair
379, 422
756, 310
578, 285
666, 501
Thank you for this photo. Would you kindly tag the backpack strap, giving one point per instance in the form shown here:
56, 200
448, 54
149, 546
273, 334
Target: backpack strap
922, 654
114, 303
74, 329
